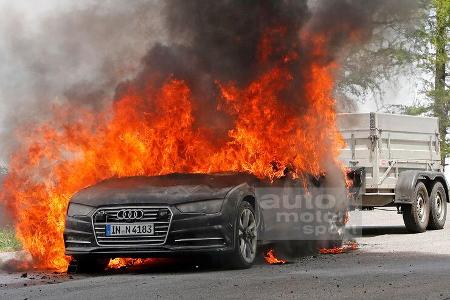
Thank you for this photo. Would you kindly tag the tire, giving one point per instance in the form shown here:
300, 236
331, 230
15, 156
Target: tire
417, 214
336, 235
294, 249
329, 244
438, 207
90, 265
334, 238
245, 238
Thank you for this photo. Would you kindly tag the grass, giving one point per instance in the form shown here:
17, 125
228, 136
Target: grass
8, 241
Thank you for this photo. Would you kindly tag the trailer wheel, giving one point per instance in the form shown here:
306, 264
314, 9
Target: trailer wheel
438, 207
417, 214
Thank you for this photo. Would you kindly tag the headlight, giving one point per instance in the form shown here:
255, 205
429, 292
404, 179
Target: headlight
202, 207
78, 210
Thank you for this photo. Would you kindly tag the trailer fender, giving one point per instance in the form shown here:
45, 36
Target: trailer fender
407, 181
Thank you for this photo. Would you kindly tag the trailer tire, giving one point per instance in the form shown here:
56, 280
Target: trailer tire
417, 214
438, 207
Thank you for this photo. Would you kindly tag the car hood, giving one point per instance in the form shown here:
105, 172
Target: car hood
167, 189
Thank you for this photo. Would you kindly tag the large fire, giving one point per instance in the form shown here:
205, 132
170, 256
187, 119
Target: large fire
156, 133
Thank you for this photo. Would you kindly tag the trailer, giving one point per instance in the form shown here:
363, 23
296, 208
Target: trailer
394, 160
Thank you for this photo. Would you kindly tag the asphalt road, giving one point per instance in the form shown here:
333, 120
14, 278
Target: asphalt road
390, 263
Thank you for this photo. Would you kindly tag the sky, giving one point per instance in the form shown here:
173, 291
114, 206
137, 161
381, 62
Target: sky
402, 90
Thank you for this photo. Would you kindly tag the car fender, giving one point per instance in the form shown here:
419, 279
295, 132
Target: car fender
407, 180
240, 193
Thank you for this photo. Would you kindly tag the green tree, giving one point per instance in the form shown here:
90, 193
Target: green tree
440, 93
430, 52
388, 53
412, 40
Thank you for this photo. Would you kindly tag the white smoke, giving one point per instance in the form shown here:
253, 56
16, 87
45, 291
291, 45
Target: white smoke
57, 51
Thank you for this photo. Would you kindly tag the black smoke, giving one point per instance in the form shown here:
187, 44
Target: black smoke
80, 54
221, 40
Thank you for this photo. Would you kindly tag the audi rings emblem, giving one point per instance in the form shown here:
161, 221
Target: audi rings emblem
130, 214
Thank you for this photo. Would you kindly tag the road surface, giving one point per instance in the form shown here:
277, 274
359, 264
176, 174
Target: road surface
390, 263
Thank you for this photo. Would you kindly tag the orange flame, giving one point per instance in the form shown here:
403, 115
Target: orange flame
154, 132
270, 258
349, 246
118, 263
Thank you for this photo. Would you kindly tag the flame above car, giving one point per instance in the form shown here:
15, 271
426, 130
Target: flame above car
280, 116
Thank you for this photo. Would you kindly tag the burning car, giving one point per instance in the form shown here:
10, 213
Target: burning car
164, 215
263, 92
176, 214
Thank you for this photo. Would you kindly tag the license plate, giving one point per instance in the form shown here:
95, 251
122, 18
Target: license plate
130, 229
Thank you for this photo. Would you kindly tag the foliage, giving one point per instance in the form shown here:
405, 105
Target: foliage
8, 241
431, 54
389, 52
413, 110
416, 41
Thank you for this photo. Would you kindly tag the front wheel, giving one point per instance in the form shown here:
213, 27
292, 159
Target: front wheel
417, 214
246, 237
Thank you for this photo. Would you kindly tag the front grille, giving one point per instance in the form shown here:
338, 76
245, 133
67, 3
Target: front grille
161, 217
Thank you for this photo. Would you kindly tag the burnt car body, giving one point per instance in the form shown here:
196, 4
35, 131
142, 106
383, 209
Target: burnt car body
189, 213
178, 214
